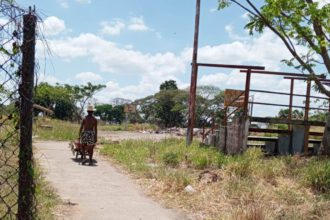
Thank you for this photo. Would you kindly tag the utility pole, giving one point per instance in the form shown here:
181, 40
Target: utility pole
193, 81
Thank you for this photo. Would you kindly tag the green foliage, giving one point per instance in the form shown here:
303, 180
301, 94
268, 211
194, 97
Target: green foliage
245, 164
168, 85
169, 151
200, 161
171, 159
296, 114
104, 112
169, 107
83, 93
109, 113
317, 175
65, 99
166, 109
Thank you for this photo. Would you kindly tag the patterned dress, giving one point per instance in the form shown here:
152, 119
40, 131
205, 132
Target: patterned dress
88, 138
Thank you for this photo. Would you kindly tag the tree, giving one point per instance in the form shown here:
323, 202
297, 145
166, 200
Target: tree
146, 108
109, 113
57, 98
118, 114
166, 108
168, 85
209, 103
166, 112
65, 99
303, 23
296, 114
104, 112
82, 94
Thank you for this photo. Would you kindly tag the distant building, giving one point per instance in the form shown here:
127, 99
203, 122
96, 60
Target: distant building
120, 101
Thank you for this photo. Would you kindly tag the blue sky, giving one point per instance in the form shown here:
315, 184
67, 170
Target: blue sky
134, 45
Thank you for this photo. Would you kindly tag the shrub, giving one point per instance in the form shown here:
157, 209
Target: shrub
200, 161
317, 175
171, 159
221, 161
246, 164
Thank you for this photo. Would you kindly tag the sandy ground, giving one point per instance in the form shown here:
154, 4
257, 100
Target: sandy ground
95, 192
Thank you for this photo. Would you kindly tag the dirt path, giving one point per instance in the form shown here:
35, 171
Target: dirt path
96, 192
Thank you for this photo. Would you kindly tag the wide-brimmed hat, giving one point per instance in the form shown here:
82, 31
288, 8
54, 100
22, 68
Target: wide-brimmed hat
90, 108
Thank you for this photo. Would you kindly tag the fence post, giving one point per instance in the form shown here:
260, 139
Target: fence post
26, 185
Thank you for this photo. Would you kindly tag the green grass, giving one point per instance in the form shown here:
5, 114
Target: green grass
51, 129
130, 127
169, 152
317, 175
249, 185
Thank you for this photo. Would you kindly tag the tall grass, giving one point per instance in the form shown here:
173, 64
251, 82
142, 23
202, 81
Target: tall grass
51, 129
250, 186
129, 127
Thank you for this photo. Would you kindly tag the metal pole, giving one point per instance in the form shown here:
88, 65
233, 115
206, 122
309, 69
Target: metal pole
193, 81
26, 185
308, 92
290, 115
291, 102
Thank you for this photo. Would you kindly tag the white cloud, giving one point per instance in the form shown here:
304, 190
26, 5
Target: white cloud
114, 59
137, 24
88, 77
322, 2
266, 50
245, 16
48, 78
84, 1
231, 33
63, 3
112, 28
52, 26
213, 10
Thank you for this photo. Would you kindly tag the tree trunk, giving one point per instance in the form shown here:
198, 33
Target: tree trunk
325, 145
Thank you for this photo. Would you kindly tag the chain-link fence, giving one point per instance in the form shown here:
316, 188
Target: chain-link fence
16, 167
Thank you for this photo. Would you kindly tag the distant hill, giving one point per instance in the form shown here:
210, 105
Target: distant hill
119, 101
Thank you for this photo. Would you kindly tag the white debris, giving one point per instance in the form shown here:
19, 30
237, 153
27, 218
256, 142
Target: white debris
189, 189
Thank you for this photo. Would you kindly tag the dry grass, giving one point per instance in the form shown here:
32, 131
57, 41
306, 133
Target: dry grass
249, 186
45, 196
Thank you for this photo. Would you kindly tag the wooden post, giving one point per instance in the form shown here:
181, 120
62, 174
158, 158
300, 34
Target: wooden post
25, 182
247, 92
193, 81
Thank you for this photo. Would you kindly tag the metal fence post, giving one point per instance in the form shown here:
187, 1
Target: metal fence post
26, 184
